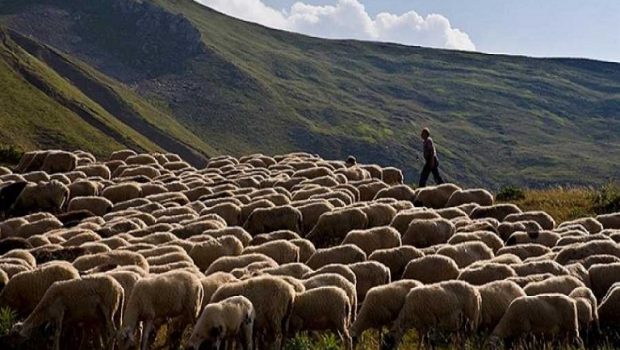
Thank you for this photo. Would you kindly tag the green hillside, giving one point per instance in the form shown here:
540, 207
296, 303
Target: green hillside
240, 88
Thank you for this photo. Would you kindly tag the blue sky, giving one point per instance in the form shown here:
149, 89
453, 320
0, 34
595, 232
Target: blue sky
542, 28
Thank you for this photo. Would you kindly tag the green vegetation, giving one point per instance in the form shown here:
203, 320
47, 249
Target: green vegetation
226, 86
7, 320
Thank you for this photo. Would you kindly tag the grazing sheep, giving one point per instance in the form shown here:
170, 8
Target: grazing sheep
273, 236
58, 162
546, 315
205, 253
590, 224
372, 239
545, 238
381, 307
241, 234
431, 269
402, 220
580, 251
338, 269
426, 233
343, 254
265, 220
556, 284
490, 239
398, 192
175, 294
368, 191
231, 320
477, 195
543, 219
281, 251
603, 277
324, 279
47, 196
587, 308
122, 192
465, 254
524, 251
87, 262
610, 221
435, 196
369, 274
229, 263
496, 298
295, 270
392, 176
93, 300
306, 248
486, 273
24, 290
96, 205
452, 306
505, 229
396, 259
379, 214
497, 211
273, 300
609, 309
539, 267
335, 313
333, 226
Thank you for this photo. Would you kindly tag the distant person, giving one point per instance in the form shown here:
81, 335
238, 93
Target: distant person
351, 161
431, 164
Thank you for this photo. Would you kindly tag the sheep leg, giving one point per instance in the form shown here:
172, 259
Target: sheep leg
146, 334
58, 331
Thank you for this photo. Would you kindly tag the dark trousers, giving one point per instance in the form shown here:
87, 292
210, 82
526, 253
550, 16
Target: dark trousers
427, 170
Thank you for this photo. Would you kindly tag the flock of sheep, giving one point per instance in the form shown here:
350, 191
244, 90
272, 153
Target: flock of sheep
254, 250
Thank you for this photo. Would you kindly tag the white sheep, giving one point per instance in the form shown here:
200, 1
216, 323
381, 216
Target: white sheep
343, 254
396, 259
476, 195
230, 320
543, 315
452, 306
94, 300
423, 233
431, 269
375, 238
557, 284
467, 253
176, 294
369, 274
496, 298
283, 252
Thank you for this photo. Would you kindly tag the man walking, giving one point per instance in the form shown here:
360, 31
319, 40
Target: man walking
431, 164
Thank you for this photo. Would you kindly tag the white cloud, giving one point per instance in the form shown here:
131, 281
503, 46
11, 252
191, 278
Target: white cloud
348, 19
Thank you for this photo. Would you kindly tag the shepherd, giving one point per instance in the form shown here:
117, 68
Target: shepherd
431, 163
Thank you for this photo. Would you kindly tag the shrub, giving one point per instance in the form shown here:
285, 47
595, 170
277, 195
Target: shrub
7, 320
510, 193
9, 154
607, 199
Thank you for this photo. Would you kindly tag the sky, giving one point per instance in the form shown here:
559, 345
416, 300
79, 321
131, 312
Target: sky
540, 28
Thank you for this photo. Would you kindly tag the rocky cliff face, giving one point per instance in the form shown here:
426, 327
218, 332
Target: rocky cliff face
127, 39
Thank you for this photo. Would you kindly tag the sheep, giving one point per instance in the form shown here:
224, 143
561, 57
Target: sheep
426, 233
343, 254
96, 205
610, 221
369, 274
452, 306
333, 226
122, 192
590, 224
524, 251
435, 196
490, 239
379, 214
122, 154
247, 209
241, 234
205, 253
59, 162
399, 192
372, 239
477, 195
496, 298
96, 170
465, 254
10, 227
598, 259
335, 314
539, 267
368, 191
580, 251
543, 219
431, 269
96, 300
602, 277
338, 269
230, 212
168, 259
381, 307
275, 235
23, 255
229, 263
25, 290
324, 279
211, 283
295, 270
587, 308
541, 315
486, 273
264, 220
176, 294
545, 238
396, 259
273, 300
609, 309
281, 251
88, 262
51, 253
48, 196
392, 176
38, 227
556, 284
497, 211
230, 320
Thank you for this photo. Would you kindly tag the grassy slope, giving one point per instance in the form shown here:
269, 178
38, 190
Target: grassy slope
498, 119
32, 119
